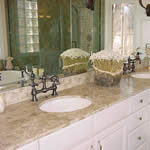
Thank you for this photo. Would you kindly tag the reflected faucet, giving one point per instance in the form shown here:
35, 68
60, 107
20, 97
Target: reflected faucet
26, 71
74, 43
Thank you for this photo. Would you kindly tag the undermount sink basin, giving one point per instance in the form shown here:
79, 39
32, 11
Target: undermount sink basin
141, 75
65, 104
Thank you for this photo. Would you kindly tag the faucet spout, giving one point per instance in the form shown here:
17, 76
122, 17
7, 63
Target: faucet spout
130, 65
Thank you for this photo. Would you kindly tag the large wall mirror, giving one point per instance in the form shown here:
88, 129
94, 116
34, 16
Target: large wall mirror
86, 25
39, 31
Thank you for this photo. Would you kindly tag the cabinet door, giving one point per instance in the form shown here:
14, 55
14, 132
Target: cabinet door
30, 146
138, 137
87, 145
71, 135
143, 147
111, 142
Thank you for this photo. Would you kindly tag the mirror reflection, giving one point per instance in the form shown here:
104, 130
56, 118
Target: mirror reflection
39, 32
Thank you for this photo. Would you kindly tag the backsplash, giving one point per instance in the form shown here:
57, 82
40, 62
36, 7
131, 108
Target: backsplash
22, 94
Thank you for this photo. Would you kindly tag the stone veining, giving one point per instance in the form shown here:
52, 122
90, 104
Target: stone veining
24, 122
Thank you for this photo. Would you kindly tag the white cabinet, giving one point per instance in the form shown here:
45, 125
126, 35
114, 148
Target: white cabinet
70, 135
86, 145
31, 146
138, 137
138, 101
110, 116
137, 119
149, 127
124, 126
137, 123
115, 141
106, 140
143, 147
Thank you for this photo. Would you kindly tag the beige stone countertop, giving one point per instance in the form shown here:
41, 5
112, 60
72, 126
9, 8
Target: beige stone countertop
24, 122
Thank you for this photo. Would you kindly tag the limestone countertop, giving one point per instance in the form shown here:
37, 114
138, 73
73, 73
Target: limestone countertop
24, 122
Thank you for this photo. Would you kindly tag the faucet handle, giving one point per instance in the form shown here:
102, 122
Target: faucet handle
54, 78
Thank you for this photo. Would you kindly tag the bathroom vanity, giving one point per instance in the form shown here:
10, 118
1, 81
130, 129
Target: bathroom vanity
122, 126
117, 119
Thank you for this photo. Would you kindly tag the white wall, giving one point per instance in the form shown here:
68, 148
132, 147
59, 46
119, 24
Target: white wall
140, 20
3, 34
108, 24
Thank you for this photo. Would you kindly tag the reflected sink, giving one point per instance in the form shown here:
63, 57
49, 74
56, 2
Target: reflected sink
65, 104
141, 75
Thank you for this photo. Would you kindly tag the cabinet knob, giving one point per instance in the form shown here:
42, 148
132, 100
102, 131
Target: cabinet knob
140, 118
100, 146
141, 101
139, 138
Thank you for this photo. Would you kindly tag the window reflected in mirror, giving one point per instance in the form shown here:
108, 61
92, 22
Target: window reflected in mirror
28, 32
123, 28
87, 25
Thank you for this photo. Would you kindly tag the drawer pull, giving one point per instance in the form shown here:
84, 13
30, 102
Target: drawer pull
140, 118
141, 101
139, 138
100, 146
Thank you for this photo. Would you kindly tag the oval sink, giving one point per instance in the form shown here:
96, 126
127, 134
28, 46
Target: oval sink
65, 104
142, 75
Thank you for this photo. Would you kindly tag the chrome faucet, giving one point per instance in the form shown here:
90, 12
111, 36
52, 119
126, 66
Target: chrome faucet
54, 79
137, 57
130, 64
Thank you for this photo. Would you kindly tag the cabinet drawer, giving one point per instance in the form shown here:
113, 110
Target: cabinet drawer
143, 147
137, 137
137, 119
114, 141
111, 115
30, 146
85, 145
71, 135
138, 101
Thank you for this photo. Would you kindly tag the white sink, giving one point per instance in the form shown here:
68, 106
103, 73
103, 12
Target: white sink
142, 75
65, 104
